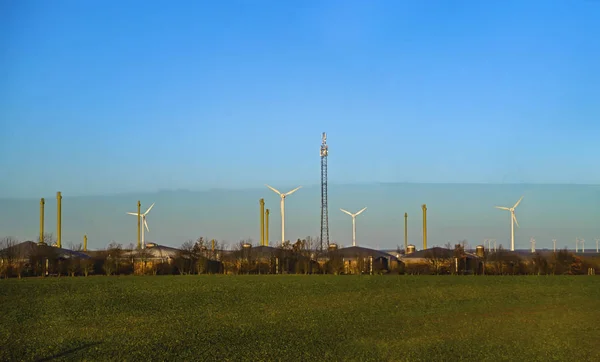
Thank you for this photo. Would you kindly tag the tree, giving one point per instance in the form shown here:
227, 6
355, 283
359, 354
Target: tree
437, 259
73, 264
540, 264
48, 239
185, 258
11, 258
561, 262
43, 258
114, 252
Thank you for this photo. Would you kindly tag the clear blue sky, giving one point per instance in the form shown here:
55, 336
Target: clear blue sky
108, 96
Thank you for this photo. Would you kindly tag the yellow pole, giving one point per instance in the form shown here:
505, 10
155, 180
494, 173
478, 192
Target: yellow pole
41, 241
213, 245
262, 222
405, 232
424, 226
267, 228
58, 219
139, 212
84, 242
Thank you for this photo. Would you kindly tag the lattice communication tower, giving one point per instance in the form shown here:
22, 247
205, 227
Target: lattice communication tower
324, 209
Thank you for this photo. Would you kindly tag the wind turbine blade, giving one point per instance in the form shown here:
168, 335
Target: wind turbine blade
146, 225
274, 189
347, 212
358, 213
294, 190
515, 219
150, 208
132, 213
518, 202
502, 207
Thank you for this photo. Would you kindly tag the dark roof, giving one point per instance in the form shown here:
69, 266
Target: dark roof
354, 251
440, 252
27, 248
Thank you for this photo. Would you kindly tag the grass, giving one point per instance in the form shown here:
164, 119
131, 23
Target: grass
349, 318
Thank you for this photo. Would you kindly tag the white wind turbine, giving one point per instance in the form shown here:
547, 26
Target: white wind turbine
283, 196
143, 216
353, 223
513, 220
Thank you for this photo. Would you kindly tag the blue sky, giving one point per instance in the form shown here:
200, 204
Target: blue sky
103, 97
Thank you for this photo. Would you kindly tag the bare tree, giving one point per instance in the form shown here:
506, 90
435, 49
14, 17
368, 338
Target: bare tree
10, 257
185, 258
436, 259
114, 252
48, 239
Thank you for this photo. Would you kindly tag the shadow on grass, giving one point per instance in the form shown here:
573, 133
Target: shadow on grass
67, 352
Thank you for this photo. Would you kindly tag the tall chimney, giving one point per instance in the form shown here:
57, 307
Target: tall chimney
405, 232
424, 226
267, 227
262, 222
42, 241
58, 219
84, 242
139, 243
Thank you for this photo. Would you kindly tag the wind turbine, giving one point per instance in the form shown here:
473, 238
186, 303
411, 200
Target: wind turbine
283, 196
513, 220
143, 216
353, 223
597, 245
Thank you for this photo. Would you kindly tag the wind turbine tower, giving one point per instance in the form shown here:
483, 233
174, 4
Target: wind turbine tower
576, 244
353, 223
582, 245
532, 241
554, 244
139, 212
59, 219
424, 207
405, 232
267, 227
143, 216
324, 206
283, 196
597, 245
513, 221
42, 203
262, 222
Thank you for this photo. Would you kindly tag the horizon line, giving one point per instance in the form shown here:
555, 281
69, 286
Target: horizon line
212, 189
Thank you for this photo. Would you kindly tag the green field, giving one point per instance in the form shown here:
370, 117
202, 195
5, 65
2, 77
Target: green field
298, 317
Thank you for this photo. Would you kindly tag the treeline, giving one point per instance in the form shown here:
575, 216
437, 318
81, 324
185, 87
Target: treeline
504, 262
301, 257
561, 262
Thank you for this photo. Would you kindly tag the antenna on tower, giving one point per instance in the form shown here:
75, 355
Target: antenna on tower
324, 207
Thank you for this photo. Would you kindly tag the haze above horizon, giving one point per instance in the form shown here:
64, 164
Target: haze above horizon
104, 98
